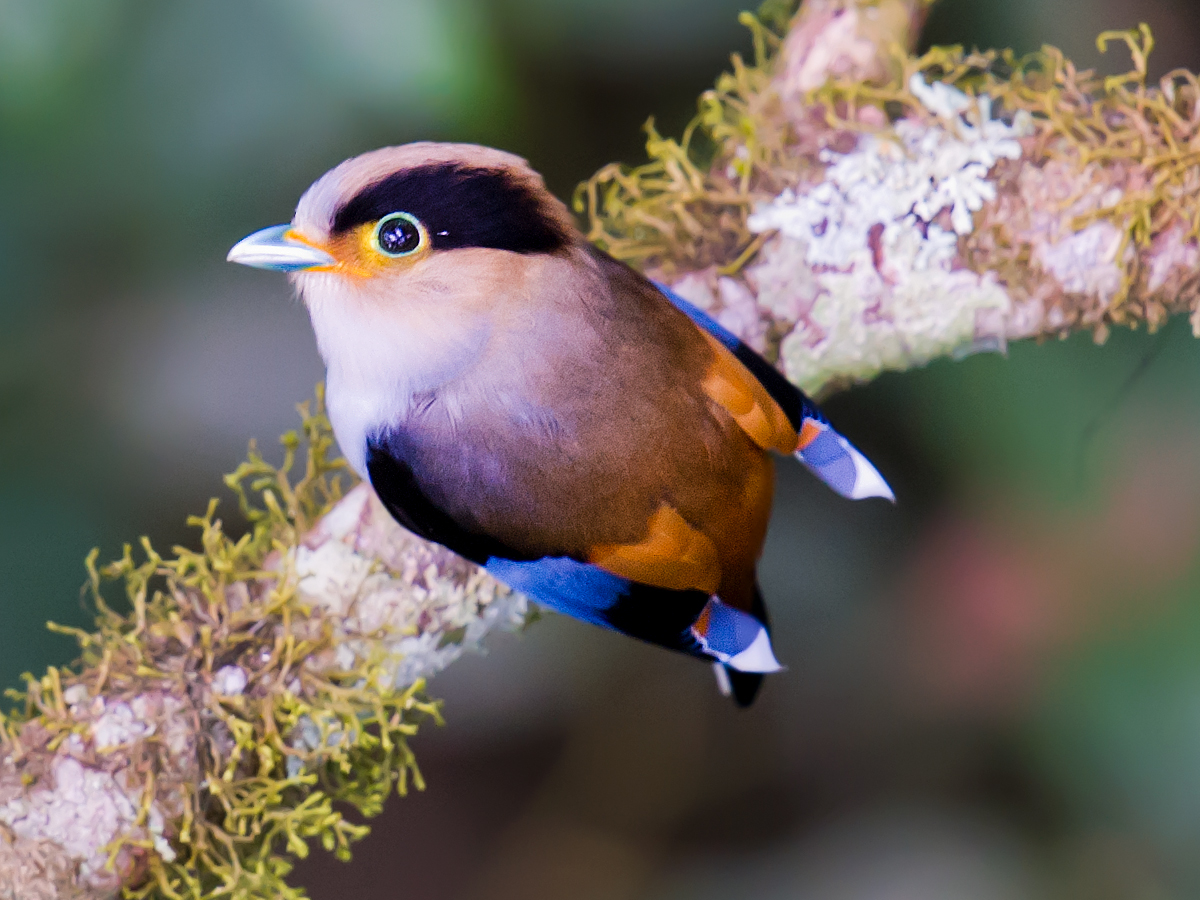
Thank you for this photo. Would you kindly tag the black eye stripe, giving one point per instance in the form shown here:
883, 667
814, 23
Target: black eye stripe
461, 207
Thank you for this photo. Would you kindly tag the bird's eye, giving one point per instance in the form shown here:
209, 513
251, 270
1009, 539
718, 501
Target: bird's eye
399, 234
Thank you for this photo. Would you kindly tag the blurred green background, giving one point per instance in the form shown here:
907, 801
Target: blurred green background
993, 689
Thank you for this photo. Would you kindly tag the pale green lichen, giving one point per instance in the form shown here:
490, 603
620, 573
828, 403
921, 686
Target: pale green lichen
687, 209
848, 334
1120, 124
878, 239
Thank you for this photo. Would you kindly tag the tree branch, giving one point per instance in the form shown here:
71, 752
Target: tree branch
865, 210
868, 210
208, 733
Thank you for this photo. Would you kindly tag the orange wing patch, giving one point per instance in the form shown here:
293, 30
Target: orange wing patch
673, 555
731, 386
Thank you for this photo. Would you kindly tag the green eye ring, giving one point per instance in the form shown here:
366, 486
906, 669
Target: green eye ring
399, 234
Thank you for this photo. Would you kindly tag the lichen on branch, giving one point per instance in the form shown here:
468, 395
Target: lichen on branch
255, 688
901, 207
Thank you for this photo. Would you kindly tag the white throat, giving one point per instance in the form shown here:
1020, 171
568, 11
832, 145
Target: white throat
381, 351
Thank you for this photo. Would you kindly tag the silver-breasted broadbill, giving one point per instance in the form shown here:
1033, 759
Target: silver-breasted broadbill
516, 394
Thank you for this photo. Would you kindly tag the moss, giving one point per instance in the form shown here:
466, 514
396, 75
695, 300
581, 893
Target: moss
676, 213
681, 210
274, 765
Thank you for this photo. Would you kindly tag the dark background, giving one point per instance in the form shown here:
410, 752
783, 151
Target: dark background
993, 688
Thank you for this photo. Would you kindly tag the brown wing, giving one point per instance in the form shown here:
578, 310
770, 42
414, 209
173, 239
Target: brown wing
714, 549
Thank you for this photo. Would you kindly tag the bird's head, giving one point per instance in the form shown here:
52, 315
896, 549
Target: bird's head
411, 245
380, 216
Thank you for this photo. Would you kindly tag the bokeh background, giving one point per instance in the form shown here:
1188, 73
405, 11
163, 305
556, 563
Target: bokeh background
993, 688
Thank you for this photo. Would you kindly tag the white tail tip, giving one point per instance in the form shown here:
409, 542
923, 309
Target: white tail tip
758, 657
867, 482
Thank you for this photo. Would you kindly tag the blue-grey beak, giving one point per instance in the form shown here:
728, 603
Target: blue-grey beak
277, 248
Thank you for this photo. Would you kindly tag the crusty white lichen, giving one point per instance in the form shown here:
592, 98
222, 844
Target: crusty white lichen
81, 811
1174, 252
1084, 261
87, 803
229, 681
394, 595
867, 260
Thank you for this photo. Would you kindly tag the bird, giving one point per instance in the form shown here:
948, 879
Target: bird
516, 394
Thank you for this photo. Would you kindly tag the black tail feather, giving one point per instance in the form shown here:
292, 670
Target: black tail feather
744, 686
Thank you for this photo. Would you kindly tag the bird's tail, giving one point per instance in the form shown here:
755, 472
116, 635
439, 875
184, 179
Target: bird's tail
837, 462
739, 644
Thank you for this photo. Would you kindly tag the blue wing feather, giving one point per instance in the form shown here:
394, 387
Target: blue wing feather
564, 585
